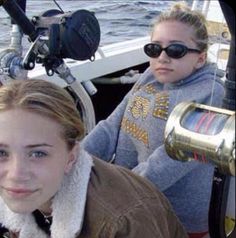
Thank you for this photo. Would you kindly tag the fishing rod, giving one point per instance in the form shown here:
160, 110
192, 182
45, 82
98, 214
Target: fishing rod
17, 14
53, 36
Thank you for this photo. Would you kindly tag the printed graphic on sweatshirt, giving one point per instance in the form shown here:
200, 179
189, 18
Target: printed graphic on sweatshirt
139, 107
135, 131
161, 105
149, 89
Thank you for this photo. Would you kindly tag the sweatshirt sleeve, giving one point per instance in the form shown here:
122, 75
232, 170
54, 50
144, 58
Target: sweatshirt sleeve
163, 171
102, 140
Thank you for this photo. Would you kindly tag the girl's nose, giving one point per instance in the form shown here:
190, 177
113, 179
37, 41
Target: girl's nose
19, 169
163, 57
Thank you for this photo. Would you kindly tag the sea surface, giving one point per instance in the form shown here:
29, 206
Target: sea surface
119, 19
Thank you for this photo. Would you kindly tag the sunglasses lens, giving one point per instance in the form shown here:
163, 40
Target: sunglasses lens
176, 51
152, 50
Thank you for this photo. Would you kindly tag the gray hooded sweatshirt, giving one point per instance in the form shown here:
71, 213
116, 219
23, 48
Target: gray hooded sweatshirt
133, 137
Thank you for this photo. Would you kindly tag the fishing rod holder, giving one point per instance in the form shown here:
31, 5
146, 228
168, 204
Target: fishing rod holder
203, 133
11, 66
56, 35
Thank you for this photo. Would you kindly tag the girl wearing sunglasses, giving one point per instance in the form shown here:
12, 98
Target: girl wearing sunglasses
132, 136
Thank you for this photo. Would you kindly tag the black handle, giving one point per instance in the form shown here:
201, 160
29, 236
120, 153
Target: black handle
18, 15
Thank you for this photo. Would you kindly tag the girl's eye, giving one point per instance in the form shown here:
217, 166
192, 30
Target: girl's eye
3, 154
38, 154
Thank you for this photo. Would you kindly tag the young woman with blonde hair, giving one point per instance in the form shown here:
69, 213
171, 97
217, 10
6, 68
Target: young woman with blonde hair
50, 187
132, 136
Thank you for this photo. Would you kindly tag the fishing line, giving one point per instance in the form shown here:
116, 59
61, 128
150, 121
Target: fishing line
58, 5
220, 28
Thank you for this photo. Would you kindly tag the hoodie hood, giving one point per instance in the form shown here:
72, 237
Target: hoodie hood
209, 71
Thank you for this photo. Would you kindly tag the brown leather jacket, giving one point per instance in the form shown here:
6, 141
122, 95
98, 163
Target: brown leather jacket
121, 204
117, 204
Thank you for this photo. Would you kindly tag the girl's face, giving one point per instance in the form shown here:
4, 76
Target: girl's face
33, 160
167, 69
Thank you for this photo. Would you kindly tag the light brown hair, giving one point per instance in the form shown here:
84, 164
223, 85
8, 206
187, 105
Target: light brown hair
182, 13
45, 99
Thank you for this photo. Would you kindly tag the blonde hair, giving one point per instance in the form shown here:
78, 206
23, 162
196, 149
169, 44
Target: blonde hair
195, 19
45, 99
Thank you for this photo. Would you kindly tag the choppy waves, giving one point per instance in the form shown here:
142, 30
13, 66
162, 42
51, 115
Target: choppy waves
119, 20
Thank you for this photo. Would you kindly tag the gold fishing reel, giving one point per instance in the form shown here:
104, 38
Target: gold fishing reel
204, 133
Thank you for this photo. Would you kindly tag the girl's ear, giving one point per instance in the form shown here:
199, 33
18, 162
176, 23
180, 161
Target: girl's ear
202, 57
72, 157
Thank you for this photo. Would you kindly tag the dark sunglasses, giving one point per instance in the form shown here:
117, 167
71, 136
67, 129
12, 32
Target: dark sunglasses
174, 51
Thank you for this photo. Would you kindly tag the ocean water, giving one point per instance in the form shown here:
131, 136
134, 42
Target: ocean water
119, 19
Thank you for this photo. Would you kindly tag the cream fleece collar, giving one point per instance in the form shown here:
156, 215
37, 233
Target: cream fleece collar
68, 206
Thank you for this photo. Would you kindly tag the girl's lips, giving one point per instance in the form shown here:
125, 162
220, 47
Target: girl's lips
19, 192
163, 69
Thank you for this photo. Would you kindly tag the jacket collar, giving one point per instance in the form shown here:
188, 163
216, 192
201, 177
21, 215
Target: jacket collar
68, 206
